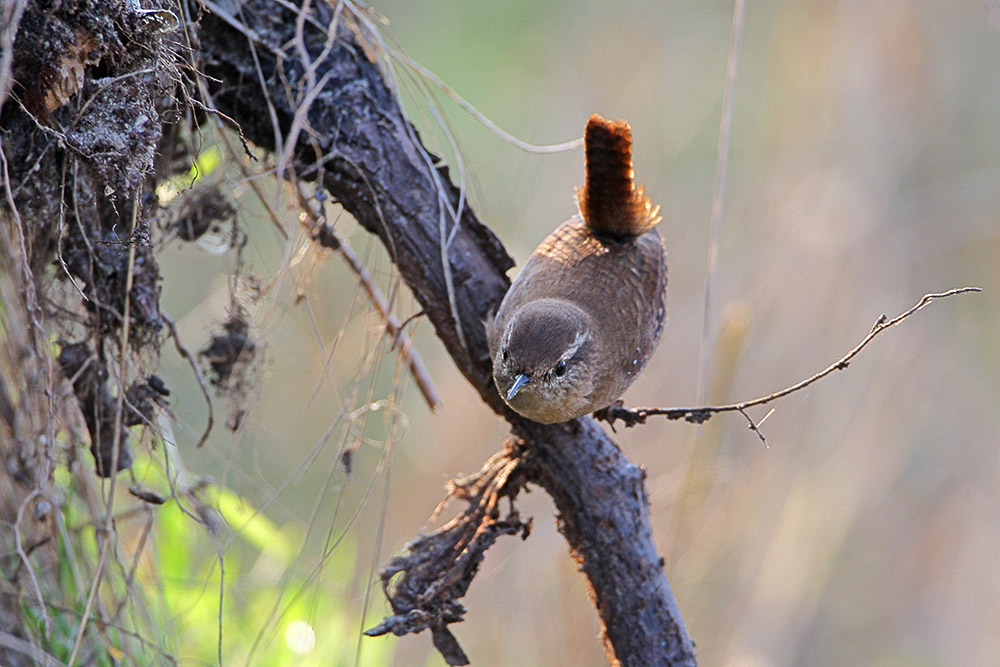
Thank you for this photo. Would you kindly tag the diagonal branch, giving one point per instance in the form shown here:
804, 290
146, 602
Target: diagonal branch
356, 141
327, 236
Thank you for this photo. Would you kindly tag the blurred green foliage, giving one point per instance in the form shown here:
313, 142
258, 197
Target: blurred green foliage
163, 598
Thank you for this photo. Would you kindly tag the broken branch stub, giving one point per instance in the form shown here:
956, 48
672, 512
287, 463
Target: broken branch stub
424, 584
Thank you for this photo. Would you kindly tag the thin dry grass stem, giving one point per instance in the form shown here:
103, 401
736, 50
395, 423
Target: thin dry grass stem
425, 96
479, 115
196, 368
31, 296
633, 416
59, 244
369, 371
245, 170
327, 236
718, 194
117, 444
380, 531
29, 568
134, 566
453, 145
373, 37
449, 278
209, 529
329, 351
11, 13
24, 647
444, 206
313, 87
313, 576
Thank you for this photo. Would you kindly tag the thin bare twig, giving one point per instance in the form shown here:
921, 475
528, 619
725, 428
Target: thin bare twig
326, 235
632, 416
215, 112
754, 426
184, 352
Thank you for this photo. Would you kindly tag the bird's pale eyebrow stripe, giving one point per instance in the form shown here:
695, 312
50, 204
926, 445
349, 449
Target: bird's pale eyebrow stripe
581, 338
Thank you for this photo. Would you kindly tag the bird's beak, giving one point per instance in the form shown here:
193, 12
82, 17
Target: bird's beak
519, 382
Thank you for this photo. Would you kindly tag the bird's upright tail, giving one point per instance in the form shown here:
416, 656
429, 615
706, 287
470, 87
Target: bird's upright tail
609, 200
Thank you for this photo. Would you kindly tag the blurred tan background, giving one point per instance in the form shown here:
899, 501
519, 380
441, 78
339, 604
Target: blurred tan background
864, 172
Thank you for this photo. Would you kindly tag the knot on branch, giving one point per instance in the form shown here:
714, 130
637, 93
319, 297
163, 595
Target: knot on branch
424, 584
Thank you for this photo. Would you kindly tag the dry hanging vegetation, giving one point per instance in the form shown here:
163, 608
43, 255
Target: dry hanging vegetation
104, 106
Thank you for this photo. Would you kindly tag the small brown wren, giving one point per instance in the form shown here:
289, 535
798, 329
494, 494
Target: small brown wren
585, 313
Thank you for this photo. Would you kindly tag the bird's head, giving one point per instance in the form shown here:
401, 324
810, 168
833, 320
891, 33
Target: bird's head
543, 367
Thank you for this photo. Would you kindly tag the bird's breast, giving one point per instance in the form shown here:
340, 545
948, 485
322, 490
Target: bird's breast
620, 284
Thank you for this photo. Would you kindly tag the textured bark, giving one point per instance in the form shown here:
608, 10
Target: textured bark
368, 157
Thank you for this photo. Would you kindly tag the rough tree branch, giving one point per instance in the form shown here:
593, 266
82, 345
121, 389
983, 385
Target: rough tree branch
356, 142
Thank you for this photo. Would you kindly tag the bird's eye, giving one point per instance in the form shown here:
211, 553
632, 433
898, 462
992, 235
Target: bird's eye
561, 368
